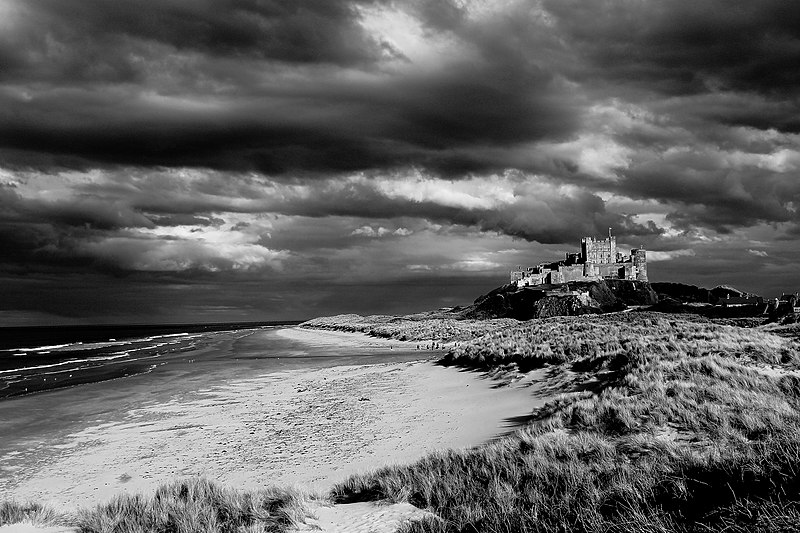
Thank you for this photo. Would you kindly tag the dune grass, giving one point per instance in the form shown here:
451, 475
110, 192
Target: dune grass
670, 424
12, 512
420, 327
194, 505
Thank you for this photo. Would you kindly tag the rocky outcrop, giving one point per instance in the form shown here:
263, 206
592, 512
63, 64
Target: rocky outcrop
562, 306
568, 299
505, 302
632, 292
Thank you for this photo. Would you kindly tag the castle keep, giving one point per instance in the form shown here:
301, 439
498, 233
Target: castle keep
598, 259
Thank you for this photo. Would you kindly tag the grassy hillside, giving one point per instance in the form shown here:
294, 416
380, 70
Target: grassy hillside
669, 425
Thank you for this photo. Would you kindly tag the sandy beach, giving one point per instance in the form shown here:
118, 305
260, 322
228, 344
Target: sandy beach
306, 427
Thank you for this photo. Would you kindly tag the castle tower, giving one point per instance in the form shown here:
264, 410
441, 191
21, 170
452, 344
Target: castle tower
640, 262
612, 248
599, 252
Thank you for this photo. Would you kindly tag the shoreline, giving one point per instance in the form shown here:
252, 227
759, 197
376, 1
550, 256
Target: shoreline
304, 427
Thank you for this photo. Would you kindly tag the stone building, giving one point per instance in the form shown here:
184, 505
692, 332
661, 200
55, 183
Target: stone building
599, 252
598, 259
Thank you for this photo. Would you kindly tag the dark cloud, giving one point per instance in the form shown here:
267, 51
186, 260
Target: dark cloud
249, 86
434, 121
107, 41
190, 84
707, 187
686, 47
733, 109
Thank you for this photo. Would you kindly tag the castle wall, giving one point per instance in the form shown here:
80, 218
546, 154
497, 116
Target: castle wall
572, 272
629, 271
528, 278
610, 270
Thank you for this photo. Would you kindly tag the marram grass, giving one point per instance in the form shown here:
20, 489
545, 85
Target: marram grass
193, 505
12, 512
670, 425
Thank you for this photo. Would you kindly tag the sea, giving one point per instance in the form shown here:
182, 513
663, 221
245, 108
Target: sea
38, 359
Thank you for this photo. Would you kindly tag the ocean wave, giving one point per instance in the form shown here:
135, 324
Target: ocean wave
67, 362
80, 346
40, 348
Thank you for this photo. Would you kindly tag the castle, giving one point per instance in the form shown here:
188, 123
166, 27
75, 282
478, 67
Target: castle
598, 259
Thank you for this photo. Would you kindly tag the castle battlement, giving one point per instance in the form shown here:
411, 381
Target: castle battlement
597, 259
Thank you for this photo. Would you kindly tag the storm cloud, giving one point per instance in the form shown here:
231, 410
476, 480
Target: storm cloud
267, 86
681, 47
330, 143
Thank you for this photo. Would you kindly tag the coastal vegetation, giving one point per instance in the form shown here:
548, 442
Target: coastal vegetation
193, 505
666, 424
196, 504
32, 513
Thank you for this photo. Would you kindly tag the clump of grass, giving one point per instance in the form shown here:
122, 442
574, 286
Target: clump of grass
33, 513
686, 428
760, 516
196, 505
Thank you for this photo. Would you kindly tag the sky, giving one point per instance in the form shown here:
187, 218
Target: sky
203, 161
